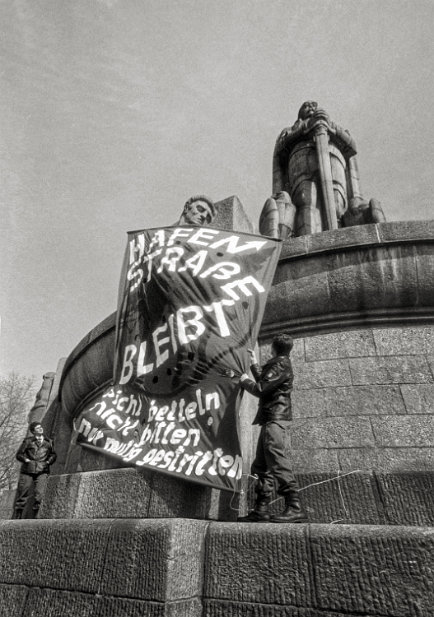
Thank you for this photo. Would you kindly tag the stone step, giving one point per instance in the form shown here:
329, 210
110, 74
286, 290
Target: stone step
192, 568
356, 498
313, 570
133, 493
7, 499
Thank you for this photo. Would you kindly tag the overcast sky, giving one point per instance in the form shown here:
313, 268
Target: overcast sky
114, 112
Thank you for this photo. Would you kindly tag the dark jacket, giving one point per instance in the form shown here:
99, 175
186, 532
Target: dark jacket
40, 457
273, 387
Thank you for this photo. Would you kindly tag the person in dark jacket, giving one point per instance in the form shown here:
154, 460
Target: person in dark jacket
273, 387
36, 454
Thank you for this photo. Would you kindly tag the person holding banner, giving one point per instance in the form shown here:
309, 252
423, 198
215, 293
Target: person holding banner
273, 386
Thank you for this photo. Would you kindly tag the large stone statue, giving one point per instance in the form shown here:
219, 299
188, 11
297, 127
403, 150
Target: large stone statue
199, 211
37, 412
315, 173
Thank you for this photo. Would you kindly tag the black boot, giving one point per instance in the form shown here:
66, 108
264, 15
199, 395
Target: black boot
259, 515
293, 512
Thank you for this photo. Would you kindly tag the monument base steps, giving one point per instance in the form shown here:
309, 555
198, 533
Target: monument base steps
192, 568
405, 498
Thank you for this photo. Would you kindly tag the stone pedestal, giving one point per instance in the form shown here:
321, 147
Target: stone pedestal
133, 493
369, 498
186, 568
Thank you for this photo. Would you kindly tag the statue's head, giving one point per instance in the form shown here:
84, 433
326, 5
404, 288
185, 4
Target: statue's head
307, 109
199, 210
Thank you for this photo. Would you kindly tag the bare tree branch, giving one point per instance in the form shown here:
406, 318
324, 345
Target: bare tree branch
16, 395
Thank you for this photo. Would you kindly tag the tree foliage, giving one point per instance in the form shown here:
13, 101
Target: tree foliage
16, 394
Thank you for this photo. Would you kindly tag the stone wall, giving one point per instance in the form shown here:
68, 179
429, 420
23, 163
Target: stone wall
364, 399
186, 568
379, 275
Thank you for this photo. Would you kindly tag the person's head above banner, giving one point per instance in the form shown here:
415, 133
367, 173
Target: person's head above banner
198, 211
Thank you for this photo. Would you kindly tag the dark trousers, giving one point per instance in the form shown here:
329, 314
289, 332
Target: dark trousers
25, 483
271, 464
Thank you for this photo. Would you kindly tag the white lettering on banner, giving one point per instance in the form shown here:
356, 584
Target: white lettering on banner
180, 232
223, 270
173, 255
168, 434
170, 321
199, 236
117, 447
92, 434
128, 451
194, 322
162, 422
137, 251
195, 263
127, 427
212, 397
214, 463
112, 419
196, 464
120, 400
158, 343
229, 288
141, 260
190, 326
217, 307
158, 239
143, 368
136, 274
84, 427
178, 411
205, 234
127, 364
137, 248
233, 247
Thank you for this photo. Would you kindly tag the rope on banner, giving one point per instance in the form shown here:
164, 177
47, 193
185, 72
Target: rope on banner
241, 492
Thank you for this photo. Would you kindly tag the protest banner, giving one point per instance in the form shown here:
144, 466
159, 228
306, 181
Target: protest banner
191, 301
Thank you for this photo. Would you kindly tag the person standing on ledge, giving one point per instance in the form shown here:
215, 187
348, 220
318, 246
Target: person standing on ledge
273, 386
198, 211
36, 454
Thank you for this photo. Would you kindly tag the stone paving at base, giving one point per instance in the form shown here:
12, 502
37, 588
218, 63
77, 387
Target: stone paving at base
192, 568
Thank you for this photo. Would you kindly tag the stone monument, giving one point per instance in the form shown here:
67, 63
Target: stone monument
42, 397
360, 303
315, 179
